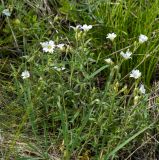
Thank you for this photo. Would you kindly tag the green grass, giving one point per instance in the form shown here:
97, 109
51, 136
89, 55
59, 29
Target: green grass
91, 109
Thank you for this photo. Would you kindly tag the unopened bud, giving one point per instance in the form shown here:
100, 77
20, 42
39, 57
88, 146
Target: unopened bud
116, 67
109, 61
136, 100
116, 86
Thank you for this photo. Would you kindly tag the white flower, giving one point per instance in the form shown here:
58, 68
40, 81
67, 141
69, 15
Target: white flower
142, 89
48, 46
60, 46
25, 74
86, 27
59, 68
126, 55
63, 68
135, 73
6, 12
109, 61
142, 38
111, 36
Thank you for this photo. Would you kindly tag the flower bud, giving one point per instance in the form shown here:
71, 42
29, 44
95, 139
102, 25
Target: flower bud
17, 21
78, 35
116, 86
136, 100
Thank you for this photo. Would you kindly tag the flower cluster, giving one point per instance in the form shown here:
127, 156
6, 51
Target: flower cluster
142, 38
49, 46
85, 27
135, 73
59, 68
